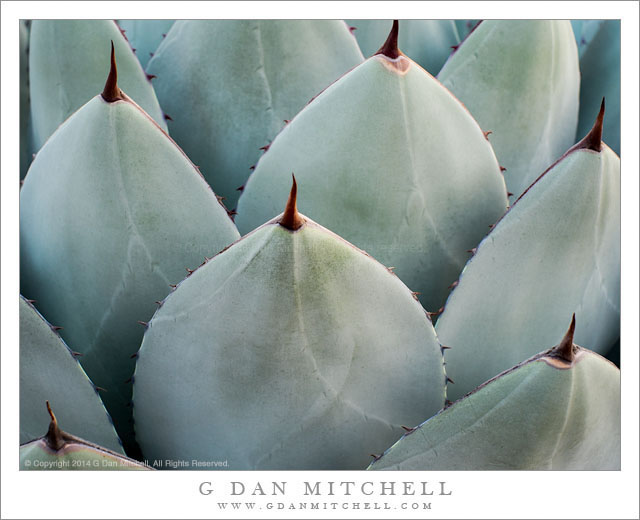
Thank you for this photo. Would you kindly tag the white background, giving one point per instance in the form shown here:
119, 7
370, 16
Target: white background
175, 494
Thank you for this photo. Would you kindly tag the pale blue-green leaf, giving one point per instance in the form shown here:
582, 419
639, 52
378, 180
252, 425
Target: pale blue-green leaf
289, 350
544, 414
49, 372
556, 252
145, 36
68, 65
520, 79
600, 68
104, 233
25, 145
229, 85
392, 162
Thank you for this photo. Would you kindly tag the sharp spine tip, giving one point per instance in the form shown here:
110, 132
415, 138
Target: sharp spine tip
291, 219
565, 348
390, 46
111, 90
593, 140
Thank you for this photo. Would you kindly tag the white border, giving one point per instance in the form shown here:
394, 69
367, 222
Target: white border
175, 494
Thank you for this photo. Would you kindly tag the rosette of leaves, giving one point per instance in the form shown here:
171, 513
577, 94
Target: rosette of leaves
554, 253
389, 157
111, 213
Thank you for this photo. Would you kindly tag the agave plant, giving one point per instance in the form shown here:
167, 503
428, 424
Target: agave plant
453, 224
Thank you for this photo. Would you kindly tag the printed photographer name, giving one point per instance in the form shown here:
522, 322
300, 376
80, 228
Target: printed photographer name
345, 488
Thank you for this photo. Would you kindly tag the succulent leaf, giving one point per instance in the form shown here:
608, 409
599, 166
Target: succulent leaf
229, 86
25, 144
520, 79
58, 450
145, 36
67, 63
427, 42
555, 252
48, 369
545, 413
388, 157
111, 214
292, 349
600, 69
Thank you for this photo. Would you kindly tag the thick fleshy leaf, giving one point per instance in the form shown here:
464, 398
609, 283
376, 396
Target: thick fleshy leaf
388, 158
111, 213
25, 145
229, 86
290, 350
67, 62
145, 36
520, 79
49, 370
546, 413
427, 42
600, 68
556, 252
58, 450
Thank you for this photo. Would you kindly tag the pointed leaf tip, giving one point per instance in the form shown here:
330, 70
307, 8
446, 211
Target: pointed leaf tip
390, 47
593, 140
291, 219
565, 348
54, 435
111, 90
